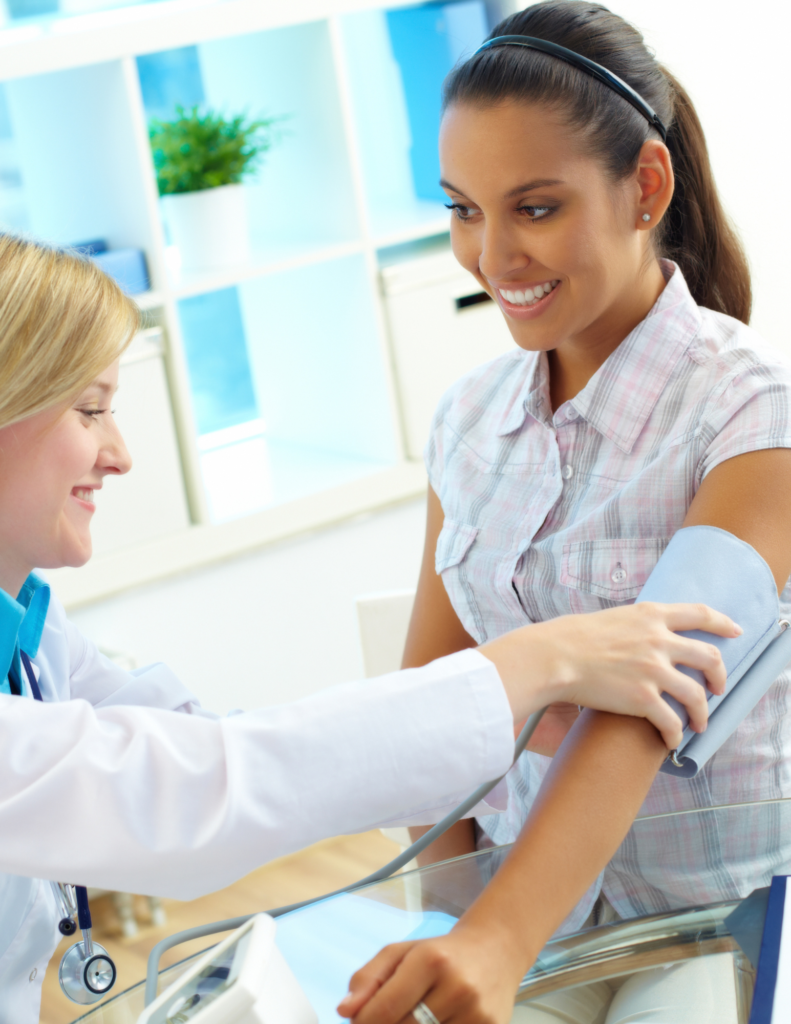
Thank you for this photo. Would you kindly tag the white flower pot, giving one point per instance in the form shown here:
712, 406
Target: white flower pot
209, 227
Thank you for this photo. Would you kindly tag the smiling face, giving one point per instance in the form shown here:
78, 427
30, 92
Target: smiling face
560, 247
50, 466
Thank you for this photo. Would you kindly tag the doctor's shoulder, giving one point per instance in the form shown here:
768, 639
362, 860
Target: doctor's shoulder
70, 665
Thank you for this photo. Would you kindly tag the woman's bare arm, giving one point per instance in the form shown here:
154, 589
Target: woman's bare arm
593, 792
750, 497
470, 976
588, 802
434, 631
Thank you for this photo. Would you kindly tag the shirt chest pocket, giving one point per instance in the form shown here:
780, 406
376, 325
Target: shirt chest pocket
454, 565
615, 570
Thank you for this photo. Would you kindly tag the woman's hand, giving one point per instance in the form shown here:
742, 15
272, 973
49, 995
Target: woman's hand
621, 660
466, 977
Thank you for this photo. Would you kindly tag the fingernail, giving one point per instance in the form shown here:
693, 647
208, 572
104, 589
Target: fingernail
346, 1000
738, 630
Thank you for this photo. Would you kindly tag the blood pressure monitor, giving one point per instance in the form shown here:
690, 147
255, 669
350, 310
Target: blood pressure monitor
243, 980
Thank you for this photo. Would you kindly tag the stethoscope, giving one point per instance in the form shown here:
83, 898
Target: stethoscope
87, 972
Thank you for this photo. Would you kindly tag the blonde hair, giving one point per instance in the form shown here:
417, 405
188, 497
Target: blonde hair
62, 323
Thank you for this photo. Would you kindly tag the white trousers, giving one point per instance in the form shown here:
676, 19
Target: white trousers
697, 991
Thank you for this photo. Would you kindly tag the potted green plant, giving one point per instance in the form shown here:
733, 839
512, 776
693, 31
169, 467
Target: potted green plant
201, 160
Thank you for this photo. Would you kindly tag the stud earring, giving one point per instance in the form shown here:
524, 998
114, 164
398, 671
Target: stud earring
646, 216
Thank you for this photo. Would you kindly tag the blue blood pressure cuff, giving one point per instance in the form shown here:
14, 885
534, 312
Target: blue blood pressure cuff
707, 565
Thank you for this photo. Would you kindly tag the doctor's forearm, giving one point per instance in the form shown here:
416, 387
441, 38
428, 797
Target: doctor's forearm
586, 805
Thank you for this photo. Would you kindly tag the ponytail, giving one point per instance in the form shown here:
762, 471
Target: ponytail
695, 231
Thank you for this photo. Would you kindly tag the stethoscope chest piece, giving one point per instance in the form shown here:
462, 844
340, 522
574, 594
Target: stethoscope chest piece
85, 978
87, 972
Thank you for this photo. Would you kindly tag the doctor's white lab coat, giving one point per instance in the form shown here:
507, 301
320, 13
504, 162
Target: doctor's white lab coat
120, 780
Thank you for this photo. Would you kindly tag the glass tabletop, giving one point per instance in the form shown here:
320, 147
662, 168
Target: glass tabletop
326, 942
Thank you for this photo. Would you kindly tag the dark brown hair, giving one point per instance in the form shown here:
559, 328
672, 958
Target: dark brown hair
695, 231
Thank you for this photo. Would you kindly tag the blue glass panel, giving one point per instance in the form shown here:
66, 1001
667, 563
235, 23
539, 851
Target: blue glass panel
31, 8
315, 358
46, 8
219, 371
427, 41
6, 131
170, 79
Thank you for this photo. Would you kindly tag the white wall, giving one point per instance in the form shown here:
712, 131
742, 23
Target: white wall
272, 626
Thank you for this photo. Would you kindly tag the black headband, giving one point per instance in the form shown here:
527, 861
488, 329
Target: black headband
589, 67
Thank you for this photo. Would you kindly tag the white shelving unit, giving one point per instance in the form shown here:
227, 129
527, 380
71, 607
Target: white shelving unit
327, 440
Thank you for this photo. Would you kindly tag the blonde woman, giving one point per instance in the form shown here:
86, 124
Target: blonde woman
102, 784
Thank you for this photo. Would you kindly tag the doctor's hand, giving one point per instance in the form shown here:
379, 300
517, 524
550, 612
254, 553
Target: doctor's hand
465, 977
621, 660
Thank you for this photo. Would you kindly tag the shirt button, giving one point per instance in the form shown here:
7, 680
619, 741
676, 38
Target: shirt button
567, 472
33, 974
619, 575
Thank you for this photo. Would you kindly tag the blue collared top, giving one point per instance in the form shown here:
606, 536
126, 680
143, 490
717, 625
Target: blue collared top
21, 625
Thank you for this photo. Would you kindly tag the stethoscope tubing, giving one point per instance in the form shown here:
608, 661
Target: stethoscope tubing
458, 812
73, 901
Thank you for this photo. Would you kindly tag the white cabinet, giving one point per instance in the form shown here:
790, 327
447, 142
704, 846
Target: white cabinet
441, 325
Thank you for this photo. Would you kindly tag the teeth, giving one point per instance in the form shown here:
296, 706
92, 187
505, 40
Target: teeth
83, 493
529, 296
